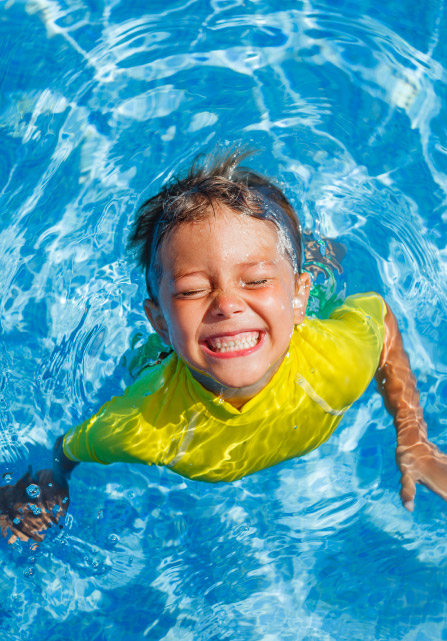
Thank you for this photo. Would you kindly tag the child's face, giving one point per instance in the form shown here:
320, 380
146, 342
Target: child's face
228, 299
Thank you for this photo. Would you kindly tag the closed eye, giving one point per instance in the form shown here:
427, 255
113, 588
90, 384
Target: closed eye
194, 293
256, 283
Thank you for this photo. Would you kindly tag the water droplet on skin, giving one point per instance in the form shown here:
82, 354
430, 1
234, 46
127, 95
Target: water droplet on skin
65, 499
16, 521
50, 485
33, 491
220, 400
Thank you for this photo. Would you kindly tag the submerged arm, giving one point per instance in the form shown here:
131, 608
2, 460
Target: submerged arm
37, 500
62, 466
418, 459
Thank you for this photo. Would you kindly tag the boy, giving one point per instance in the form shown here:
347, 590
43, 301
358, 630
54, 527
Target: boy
251, 380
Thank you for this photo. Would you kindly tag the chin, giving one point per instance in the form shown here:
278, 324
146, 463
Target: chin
234, 381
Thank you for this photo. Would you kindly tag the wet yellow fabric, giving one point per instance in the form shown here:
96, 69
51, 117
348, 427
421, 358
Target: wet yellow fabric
167, 418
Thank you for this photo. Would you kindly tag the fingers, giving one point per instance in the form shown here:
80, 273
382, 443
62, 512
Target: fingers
23, 516
4, 524
32, 526
422, 463
46, 520
434, 474
28, 527
408, 491
7, 528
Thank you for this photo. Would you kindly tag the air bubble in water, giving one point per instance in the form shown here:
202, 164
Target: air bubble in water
33, 491
7, 477
34, 509
113, 539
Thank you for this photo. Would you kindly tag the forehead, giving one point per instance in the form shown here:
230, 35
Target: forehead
223, 236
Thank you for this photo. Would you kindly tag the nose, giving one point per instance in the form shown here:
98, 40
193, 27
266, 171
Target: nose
226, 303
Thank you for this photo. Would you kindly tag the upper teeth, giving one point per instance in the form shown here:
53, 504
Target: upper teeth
232, 344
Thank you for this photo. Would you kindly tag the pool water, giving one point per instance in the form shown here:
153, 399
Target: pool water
100, 102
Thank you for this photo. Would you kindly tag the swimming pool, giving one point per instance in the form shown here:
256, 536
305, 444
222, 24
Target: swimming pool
100, 102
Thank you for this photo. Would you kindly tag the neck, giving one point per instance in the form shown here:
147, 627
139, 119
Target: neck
236, 396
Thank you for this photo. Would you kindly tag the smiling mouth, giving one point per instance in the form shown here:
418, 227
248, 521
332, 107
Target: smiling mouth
242, 342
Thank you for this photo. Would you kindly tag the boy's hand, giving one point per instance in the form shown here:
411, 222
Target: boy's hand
422, 463
31, 506
418, 459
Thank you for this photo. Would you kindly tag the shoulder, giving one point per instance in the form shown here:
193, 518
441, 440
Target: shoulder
115, 432
154, 378
360, 318
343, 350
366, 309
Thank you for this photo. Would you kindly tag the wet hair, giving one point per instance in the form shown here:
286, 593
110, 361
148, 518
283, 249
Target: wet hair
209, 184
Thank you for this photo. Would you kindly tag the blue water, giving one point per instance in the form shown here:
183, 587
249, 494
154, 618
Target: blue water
101, 101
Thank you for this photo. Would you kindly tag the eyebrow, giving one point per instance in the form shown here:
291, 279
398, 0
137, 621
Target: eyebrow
251, 263
180, 275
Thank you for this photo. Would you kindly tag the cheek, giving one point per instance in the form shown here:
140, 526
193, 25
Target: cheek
277, 303
182, 325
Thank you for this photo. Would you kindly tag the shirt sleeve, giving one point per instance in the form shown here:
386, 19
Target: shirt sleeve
360, 324
105, 437
340, 355
134, 428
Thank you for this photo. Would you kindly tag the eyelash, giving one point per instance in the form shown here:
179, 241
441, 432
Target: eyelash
189, 294
253, 283
261, 281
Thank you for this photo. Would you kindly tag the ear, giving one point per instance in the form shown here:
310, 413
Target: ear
157, 320
302, 290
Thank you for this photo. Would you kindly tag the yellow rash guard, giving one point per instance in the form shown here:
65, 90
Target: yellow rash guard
167, 418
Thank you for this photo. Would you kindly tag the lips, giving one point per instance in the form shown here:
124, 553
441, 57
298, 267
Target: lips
233, 344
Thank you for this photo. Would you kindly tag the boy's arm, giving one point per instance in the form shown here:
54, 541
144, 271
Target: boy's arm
418, 459
62, 466
37, 500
